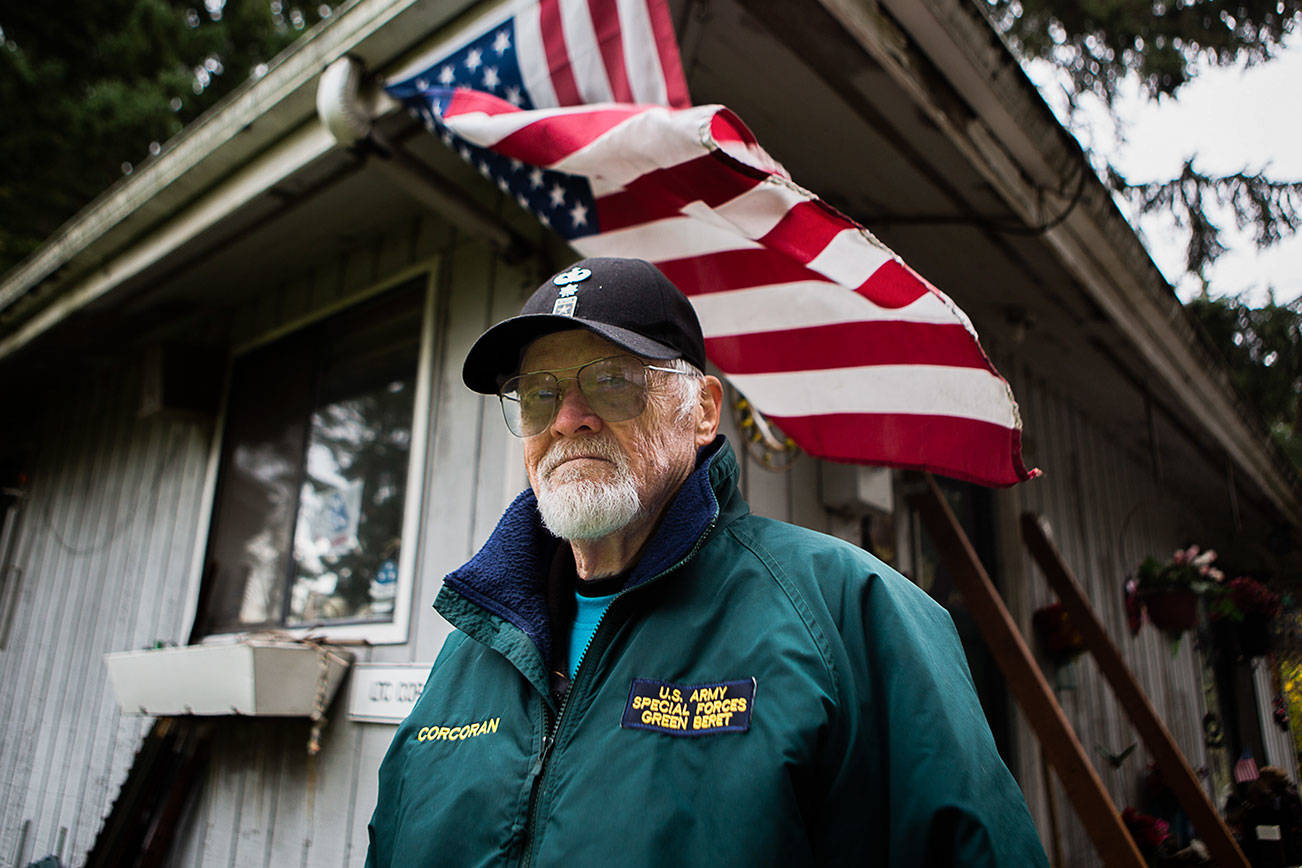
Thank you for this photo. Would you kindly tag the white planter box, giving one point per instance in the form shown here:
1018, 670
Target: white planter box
262, 677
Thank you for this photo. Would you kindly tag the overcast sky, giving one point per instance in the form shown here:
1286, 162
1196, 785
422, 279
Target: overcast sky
1233, 119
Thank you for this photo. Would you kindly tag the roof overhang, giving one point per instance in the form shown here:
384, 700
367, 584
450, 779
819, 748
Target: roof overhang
256, 138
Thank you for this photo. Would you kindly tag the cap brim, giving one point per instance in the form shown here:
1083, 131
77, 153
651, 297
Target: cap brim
496, 355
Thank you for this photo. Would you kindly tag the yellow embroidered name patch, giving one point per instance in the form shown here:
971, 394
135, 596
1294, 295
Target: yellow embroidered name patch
689, 709
458, 733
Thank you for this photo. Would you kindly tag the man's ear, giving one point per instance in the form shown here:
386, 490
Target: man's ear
711, 405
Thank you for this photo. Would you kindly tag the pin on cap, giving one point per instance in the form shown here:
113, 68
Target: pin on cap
566, 280
629, 302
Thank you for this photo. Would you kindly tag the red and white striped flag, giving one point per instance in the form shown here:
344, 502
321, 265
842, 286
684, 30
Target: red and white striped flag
821, 326
547, 53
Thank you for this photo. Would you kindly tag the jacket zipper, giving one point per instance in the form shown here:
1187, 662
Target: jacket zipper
539, 768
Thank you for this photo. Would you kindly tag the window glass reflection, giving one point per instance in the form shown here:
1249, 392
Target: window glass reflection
346, 540
307, 524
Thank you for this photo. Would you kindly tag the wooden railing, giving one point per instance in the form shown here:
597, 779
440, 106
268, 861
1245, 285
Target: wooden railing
1060, 745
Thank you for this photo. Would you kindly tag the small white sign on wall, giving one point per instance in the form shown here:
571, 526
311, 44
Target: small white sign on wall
385, 692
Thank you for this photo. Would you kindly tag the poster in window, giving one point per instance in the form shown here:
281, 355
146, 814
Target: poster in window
330, 515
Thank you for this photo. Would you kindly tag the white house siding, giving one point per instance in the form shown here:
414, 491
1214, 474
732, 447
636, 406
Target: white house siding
1107, 513
106, 540
1279, 743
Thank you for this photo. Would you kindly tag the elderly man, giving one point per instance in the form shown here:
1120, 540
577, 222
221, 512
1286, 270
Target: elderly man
646, 674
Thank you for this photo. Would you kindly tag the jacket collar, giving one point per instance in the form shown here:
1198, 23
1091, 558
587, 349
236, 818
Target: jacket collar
507, 576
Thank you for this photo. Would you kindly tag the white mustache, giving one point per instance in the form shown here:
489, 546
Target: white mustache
565, 450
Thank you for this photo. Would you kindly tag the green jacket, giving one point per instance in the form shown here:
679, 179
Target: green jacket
759, 694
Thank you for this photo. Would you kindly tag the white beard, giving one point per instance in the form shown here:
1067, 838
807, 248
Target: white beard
576, 507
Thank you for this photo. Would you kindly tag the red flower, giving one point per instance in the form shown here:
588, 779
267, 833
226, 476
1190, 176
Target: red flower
1253, 598
1148, 831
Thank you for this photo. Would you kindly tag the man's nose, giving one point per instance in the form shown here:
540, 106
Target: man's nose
574, 416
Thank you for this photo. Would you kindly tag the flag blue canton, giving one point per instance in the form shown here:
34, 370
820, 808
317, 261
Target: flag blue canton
489, 63
561, 201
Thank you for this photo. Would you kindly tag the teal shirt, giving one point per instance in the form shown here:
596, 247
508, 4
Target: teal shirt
586, 617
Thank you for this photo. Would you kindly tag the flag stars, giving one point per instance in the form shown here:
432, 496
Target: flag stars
536, 178
422, 84
447, 74
484, 170
474, 59
516, 165
503, 185
491, 78
514, 96
464, 152
579, 214
557, 193
502, 42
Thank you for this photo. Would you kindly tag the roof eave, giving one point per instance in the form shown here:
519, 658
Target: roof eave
263, 130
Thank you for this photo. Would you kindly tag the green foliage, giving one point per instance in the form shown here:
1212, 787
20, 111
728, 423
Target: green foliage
1271, 208
1188, 570
1100, 42
93, 88
1263, 349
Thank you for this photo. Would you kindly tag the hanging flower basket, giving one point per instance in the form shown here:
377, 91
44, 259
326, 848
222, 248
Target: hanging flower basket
1168, 592
1242, 615
1174, 610
1057, 637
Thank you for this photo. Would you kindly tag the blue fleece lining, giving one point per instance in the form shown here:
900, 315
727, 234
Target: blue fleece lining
682, 524
506, 576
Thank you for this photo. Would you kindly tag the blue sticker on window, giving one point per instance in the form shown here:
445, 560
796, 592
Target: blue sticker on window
689, 709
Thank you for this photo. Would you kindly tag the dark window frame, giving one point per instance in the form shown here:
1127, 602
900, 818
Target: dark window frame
395, 628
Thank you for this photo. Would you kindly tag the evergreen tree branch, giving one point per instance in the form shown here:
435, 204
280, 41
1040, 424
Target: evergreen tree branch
1271, 208
1099, 42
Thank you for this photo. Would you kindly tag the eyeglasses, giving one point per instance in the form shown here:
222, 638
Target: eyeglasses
614, 387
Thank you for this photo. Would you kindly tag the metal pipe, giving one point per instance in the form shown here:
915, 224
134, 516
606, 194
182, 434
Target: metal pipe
342, 109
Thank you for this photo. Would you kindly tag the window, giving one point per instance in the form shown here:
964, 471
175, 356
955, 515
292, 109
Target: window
312, 490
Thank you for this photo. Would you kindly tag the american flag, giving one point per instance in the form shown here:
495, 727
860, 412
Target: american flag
547, 53
822, 327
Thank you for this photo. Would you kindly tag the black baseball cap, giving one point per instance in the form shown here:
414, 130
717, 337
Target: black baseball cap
629, 302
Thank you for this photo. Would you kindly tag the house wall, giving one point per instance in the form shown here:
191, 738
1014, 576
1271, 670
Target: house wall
1280, 751
1107, 512
106, 538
